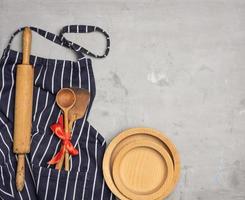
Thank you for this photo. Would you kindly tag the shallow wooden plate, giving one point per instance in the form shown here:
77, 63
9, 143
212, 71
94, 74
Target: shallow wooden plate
132, 135
143, 170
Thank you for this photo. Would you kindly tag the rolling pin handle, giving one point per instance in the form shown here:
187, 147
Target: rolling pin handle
20, 174
27, 38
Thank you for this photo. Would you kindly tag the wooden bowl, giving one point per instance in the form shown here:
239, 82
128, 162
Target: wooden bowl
143, 170
133, 135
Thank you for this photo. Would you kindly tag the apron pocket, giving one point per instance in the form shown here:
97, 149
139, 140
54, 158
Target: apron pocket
54, 184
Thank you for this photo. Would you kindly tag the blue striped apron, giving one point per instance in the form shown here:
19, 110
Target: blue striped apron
85, 180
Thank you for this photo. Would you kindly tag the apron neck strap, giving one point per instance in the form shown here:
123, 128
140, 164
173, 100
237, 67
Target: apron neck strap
61, 40
84, 29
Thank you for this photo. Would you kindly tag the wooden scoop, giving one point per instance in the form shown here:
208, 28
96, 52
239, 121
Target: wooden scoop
66, 98
23, 109
76, 112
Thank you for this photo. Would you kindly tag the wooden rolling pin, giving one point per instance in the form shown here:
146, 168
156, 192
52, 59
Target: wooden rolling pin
23, 109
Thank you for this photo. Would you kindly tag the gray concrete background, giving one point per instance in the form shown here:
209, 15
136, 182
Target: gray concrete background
177, 66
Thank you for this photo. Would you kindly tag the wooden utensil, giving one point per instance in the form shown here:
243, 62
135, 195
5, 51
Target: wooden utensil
133, 135
143, 170
76, 112
66, 98
23, 109
79, 108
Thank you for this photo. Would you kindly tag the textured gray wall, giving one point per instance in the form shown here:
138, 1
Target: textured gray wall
177, 66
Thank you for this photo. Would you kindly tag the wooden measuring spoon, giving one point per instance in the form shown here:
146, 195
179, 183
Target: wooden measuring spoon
66, 98
76, 112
